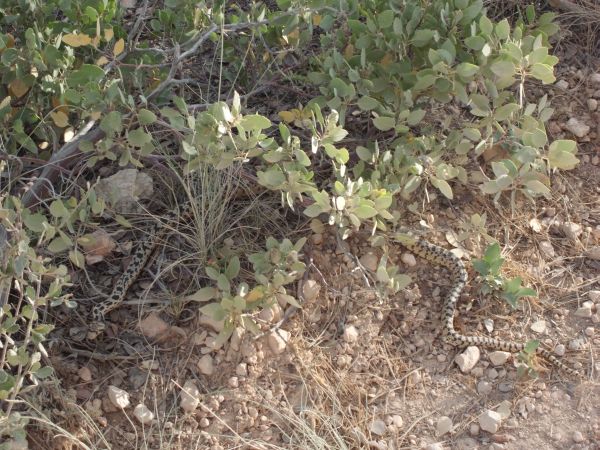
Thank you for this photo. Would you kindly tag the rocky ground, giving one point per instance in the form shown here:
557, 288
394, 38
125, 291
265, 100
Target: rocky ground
353, 369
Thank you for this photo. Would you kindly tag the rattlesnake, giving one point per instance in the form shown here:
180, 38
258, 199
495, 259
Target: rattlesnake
422, 248
445, 258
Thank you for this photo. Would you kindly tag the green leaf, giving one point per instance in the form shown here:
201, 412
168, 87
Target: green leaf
503, 29
138, 137
367, 103
475, 42
215, 311
415, 117
44, 372
313, 210
538, 187
146, 117
561, 154
422, 37
77, 258
88, 73
486, 25
531, 346
505, 111
223, 283
503, 68
385, 19
466, 70
212, 273
384, 123
543, 72
255, 122
364, 211
58, 245
35, 222
233, 268
203, 295
111, 123
443, 187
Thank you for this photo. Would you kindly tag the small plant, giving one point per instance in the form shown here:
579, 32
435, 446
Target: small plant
527, 357
492, 281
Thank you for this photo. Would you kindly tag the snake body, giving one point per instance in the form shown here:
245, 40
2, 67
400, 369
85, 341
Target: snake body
445, 258
422, 248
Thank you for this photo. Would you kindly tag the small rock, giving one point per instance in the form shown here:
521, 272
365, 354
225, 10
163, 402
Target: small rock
241, 370
547, 249
474, 429
594, 296
488, 324
206, 365
571, 230
278, 340
317, 238
397, 421
589, 331
498, 358
467, 359
578, 437
562, 84
504, 409
233, 382
576, 344
118, 397
584, 311
378, 427
506, 386
539, 326
484, 388
443, 426
492, 374
408, 259
578, 128
595, 78
350, 334
216, 325
559, 350
435, 446
310, 290
369, 261
190, 396
85, 374
592, 104
143, 414
153, 326
490, 421
466, 443
593, 253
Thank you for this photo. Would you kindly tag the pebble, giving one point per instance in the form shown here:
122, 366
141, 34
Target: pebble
589, 331
505, 386
576, 344
539, 326
206, 365
584, 311
578, 437
474, 429
547, 249
443, 426
378, 427
310, 290
396, 421
593, 252
233, 382
492, 374
118, 397
466, 443
370, 261
85, 374
153, 326
143, 414
559, 350
435, 446
498, 358
350, 334
190, 396
490, 421
562, 84
572, 230
408, 259
594, 296
278, 340
592, 104
595, 78
576, 127
489, 325
504, 409
467, 359
484, 388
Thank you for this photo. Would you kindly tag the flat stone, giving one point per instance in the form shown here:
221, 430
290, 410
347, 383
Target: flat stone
143, 414
278, 340
118, 397
190, 396
490, 421
206, 365
498, 358
577, 127
444, 425
539, 326
350, 334
369, 261
467, 359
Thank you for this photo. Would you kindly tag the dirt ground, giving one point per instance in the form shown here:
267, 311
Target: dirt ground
353, 369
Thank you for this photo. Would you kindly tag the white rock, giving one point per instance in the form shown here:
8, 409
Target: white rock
578, 437
278, 340
272, 314
233, 382
594, 296
467, 359
490, 421
584, 311
488, 324
562, 84
408, 259
310, 290
466, 443
498, 358
190, 396
474, 429
435, 446
350, 333
206, 365
504, 409
118, 397
560, 350
589, 331
592, 104
378, 427
593, 252
572, 230
539, 326
535, 224
370, 261
143, 414
595, 78
397, 421
85, 374
578, 128
241, 370
443, 426
547, 249
484, 388
576, 344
